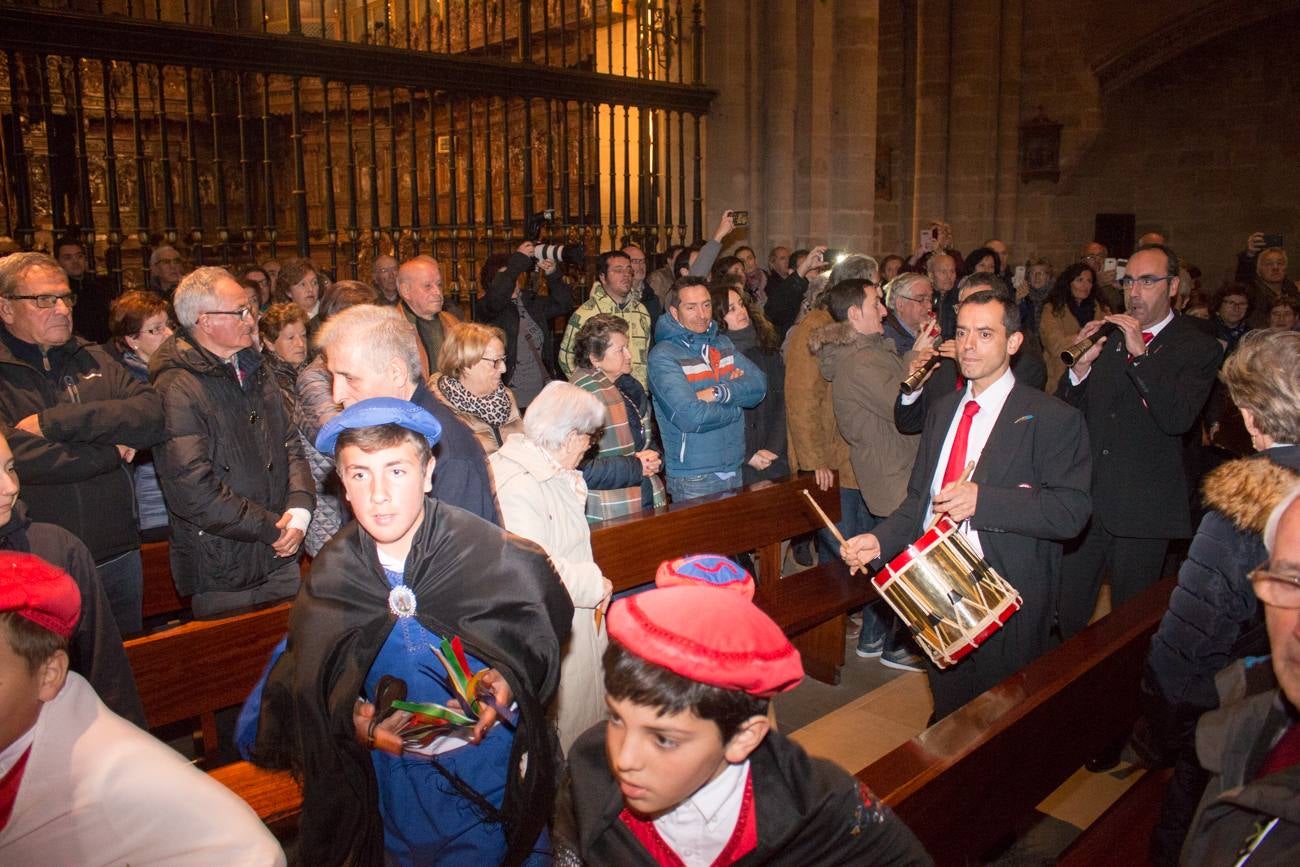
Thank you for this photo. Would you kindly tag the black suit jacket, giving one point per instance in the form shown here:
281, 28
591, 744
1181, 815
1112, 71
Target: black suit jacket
1033, 478
1137, 413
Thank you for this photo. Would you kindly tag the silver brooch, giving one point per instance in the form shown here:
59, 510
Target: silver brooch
401, 601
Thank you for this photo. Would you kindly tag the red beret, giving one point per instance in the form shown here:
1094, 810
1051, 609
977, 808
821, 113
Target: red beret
709, 570
43, 594
707, 635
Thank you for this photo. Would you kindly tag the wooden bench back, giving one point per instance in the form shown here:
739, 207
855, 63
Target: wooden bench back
759, 517
962, 784
160, 595
203, 666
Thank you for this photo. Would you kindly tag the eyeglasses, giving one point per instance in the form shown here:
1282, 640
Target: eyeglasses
1275, 588
1146, 281
242, 313
45, 302
495, 362
1236, 303
928, 302
157, 329
620, 270
168, 261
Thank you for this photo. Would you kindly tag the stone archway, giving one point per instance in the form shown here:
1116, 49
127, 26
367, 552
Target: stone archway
1181, 34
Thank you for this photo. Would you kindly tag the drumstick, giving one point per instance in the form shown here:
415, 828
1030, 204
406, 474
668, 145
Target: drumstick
965, 477
835, 531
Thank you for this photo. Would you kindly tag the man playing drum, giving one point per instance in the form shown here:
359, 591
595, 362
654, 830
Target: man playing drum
1011, 466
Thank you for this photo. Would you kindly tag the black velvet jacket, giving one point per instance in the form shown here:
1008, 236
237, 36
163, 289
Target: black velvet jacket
496, 591
808, 812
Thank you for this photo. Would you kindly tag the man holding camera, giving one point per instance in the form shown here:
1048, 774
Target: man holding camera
612, 293
1262, 267
515, 306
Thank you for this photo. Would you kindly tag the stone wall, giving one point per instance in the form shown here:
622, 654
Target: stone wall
1190, 131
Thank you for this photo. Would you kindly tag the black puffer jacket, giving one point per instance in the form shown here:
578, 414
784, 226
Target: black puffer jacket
87, 404
1213, 617
230, 465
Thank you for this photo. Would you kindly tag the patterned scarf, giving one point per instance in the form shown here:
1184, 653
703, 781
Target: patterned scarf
493, 408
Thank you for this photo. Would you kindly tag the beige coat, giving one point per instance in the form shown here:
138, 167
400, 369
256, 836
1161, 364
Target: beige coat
1060, 331
482, 430
864, 371
546, 504
809, 414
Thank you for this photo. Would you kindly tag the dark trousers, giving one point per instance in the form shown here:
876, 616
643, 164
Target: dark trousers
1132, 564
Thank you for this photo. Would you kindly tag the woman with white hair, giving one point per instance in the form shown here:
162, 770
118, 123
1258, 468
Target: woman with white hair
542, 497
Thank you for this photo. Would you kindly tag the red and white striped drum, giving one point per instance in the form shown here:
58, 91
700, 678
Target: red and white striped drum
950, 599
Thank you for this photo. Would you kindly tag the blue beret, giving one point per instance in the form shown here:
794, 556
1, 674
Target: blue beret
376, 411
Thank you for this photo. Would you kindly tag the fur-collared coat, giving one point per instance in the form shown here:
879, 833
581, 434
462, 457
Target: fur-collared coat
1213, 617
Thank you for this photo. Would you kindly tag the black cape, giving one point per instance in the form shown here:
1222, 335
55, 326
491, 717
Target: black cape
496, 591
808, 811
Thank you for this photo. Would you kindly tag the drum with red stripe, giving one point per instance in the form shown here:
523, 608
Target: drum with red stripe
950, 599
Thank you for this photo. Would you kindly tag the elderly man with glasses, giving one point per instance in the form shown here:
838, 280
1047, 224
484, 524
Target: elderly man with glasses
239, 490
74, 418
1141, 388
1251, 745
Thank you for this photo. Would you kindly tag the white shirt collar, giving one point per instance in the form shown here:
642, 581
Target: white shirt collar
1160, 326
699, 828
991, 398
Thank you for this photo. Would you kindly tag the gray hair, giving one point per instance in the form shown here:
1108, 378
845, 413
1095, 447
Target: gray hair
15, 267
381, 333
158, 251
196, 294
1275, 518
855, 266
929, 263
559, 410
902, 285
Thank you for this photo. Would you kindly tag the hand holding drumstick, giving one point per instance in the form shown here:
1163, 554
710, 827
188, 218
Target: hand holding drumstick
957, 499
853, 550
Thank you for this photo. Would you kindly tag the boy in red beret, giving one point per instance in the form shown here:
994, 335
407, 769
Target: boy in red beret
687, 770
79, 784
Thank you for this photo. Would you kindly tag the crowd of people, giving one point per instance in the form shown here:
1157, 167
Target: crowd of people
1061, 419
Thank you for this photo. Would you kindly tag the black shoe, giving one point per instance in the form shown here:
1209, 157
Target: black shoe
803, 553
1106, 760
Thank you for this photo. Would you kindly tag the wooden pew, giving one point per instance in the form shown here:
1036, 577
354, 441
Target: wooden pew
160, 597
811, 606
965, 783
1123, 832
201, 667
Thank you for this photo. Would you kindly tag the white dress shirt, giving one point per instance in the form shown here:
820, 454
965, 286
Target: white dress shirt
699, 828
990, 401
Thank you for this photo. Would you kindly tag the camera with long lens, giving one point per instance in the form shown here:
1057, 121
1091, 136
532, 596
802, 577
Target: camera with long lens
563, 254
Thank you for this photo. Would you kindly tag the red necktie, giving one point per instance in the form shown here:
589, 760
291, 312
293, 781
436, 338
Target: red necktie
957, 457
1285, 753
1146, 338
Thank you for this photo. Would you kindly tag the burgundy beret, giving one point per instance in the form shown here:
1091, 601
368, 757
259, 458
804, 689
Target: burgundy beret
39, 592
707, 635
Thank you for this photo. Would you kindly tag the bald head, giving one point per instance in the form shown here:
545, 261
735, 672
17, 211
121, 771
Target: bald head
383, 274
419, 282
